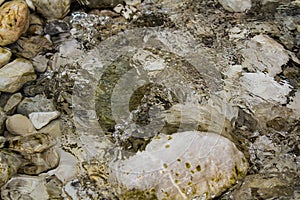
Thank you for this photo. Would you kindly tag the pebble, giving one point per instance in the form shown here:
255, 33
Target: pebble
9, 165
41, 119
12, 102
52, 9
100, 3
40, 63
183, 165
14, 21
5, 55
39, 103
2, 121
19, 125
236, 5
15, 74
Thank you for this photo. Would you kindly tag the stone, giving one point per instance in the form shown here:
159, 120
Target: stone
236, 5
36, 26
40, 63
183, 165
9, 164
12, 103
40, 162
100, 3
5, 55
15, 74
41, 119
14, 21
39, 103
266, 55
25, 187
55, 27
52, 9
19, 125
53, 128
2, 142
1, 1
2, 121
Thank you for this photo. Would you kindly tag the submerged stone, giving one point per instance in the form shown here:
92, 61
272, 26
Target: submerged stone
182, 166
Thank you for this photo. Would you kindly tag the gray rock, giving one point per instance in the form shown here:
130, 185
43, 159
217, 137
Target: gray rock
2, 121
41, 119
2, 141
55, 27
52, 9
236, 5
40, 63
182, 166
12, 102
19, 125
9, 164
15, 74
25, 187
5, 55
100, 3
53, 128
39, 103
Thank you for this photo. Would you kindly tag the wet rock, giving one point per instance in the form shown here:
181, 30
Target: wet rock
2, 121
39, 103
236, 5
12, 103
19, 125
5, 55
25, 187
9, 164
41, 119
14, 21
32, 46
52, 9
55, 27
182, 166
15, 74
36, 26
40, 63
100, 3
266, 55
40, 162
30, 144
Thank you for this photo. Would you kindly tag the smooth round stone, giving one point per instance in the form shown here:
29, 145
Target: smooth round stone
5, 55
52, 9
183, 165
14, 21
19, 125
15, 74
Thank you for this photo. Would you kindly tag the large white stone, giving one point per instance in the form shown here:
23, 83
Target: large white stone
41, 119
15, 74
182, 166
19, 125
236, 5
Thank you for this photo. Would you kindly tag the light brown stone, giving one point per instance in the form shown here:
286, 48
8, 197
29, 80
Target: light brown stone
19, 125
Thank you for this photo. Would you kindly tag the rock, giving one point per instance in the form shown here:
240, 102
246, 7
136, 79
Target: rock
25, 187
55, 27
52, 9
53, 129
266, 55
19, 125
14, 21
236, 5
9, 164
2, 121
1, 1
39, 103
40, 162
295, 103
41, 119
36, 26
54, 187
30, 144
184, 165
2, 142
5, 56
100, 3
12, 102
15, 74
40, 63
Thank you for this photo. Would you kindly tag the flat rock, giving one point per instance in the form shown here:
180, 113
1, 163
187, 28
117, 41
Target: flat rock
19, 125
5, 56
184, 165
12, 102
39, 103
15, 74
41, 119
14, 21
236, 5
